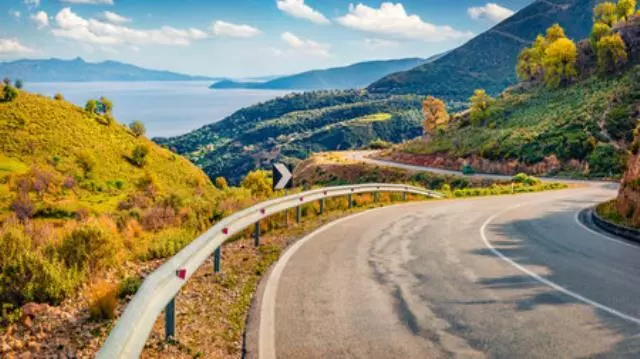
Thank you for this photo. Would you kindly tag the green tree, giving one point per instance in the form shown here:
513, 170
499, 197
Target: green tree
139, 155
480, 106
91, 106
436, 116
259, 183
559, 63
597, 32
107, 105
625, 9
606, 13
19, 84
612, 53
138, 129
9, 93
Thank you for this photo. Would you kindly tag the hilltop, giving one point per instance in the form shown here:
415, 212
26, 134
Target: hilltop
78, 70
292, 127
340, 78
488, 60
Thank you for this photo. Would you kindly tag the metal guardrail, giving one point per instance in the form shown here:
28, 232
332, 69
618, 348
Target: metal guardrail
159, 289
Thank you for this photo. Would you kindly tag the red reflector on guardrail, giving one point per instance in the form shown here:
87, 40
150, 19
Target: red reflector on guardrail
301, 199
181, 273
225, 230
263, 211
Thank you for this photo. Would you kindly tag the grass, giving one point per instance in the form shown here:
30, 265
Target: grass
378, 117
609, 211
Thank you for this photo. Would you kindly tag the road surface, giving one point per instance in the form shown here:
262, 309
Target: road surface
494, 277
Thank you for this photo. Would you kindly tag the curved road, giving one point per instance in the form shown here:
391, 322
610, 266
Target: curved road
497, 277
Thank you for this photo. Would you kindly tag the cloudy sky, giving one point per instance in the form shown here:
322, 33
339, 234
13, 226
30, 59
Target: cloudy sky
242, 37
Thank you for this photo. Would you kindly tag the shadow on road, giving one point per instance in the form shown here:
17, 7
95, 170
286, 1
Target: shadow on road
561, 251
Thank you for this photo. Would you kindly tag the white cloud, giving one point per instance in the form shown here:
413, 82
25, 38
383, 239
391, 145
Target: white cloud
378, 43
309, 47
492, 12
297, 8
40, 19
32, 3
89, 2
13, 46
15, 14
392, 20
222, 28
114, 18
93, 31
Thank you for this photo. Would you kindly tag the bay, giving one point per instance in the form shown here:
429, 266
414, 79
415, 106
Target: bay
166, 108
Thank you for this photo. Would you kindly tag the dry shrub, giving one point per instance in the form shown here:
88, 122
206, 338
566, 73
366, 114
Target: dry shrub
135, 200
23, 207
93, 245
158, 217
102, 300
134, 238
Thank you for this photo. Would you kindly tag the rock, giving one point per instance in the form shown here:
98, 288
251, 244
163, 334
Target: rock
33, 346
33, 309
25, 355
4, 348
17, 344
26, 321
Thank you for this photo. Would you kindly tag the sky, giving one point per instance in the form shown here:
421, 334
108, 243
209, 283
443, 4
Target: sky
242, 38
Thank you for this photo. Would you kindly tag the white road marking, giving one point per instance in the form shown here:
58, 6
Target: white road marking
267, 333
619, 241
544, 280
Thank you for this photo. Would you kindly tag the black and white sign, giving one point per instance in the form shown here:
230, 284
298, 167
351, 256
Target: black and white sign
282, 177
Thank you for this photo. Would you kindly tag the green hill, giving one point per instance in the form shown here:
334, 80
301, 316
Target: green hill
487, 61
81, 196
292, 127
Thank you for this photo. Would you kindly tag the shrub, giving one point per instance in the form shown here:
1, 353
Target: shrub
138, 129
18, 84
605, 161
169, 242
467, 169
91, 106
10, 93
612, 53
92, 246
221, 183
58, 97
129, 286
259, 183
23, 207
158, 217
139, 155
87, 161
102, 300
519, 178
379, 144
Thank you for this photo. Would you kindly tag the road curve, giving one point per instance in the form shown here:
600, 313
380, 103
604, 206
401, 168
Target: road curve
498, 277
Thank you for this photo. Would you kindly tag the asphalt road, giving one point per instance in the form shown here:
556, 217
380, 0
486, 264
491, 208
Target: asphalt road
498, 277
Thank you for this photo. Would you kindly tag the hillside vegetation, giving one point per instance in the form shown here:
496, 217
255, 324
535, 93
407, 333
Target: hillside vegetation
292, 127
487, 61
573, 118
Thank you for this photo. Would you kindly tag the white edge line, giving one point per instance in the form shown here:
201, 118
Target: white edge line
600, 234
266, 332
544, 280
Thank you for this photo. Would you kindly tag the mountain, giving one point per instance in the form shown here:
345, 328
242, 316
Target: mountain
291, 127
78, 70
340, 78
488, 60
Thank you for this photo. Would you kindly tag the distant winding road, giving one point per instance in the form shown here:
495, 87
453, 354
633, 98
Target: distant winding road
495, 277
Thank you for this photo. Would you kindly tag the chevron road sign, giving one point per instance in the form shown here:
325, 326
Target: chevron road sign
282, 177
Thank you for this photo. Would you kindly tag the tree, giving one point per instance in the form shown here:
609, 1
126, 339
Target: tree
554, 32
138, 129
625, 9
221, 183
606, 13
480, 105
597, 32
9, 93
435, 115
7, 81
91, 106
87, 161
139, 155
559, 63
612, 53
58, 96
19, 84
107, 105
258, 182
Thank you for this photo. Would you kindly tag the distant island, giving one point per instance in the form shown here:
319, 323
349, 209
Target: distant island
339, 78
79, 70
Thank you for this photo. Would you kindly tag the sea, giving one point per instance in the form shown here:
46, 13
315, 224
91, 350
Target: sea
166, 108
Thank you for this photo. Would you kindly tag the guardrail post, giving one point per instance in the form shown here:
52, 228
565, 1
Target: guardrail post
404, 196
322, 206
256, 235
170, 319
216, 260
376, 196
298, 214
350, 201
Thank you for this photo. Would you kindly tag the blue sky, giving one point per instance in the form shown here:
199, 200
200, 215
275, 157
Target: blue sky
242, 38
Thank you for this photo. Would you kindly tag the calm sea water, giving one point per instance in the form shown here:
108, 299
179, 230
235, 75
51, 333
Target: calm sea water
166, 108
